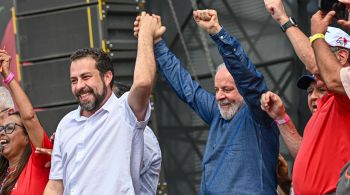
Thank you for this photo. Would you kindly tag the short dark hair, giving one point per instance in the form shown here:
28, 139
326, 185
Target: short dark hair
103, 61
120, 88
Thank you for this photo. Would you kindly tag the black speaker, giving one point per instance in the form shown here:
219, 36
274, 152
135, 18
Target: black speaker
49, 118
47, 34
26, 7
47, 83
58, 34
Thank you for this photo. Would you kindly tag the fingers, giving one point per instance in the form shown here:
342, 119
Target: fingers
162, 30
205, 15
265, 101
344, 1
48, 164
52, 138
282, 161
329, 16
43, 151
344, 23
136, 26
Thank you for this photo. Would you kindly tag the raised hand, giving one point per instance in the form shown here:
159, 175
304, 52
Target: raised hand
160, 30
272, 105
345, 23
5, 61
277, 11
320, 21
282, 170
207, 20
152, 23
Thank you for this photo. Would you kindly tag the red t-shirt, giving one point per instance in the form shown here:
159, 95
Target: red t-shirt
325, 148
34, 176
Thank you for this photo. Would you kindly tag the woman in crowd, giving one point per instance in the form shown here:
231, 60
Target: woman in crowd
22, 171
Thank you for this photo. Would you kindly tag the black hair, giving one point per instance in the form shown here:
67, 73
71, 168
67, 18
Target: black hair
103, 61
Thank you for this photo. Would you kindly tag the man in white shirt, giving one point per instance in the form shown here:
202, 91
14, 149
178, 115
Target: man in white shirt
99, 146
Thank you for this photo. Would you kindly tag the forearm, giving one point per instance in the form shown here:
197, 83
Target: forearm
54, 187
328, 65
27, 113
180, 80
144, 75
291, 137
302, 48
171, 69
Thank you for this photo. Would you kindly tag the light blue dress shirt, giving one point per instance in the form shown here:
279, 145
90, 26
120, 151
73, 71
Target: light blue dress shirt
151, 164
100, 154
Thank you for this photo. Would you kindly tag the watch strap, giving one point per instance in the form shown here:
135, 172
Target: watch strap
288, 24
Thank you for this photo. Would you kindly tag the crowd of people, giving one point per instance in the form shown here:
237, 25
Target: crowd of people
106, 147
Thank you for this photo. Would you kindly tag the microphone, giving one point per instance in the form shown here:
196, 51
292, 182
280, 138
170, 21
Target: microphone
1, 147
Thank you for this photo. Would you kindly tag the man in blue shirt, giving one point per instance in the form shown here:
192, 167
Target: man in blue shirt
242, 148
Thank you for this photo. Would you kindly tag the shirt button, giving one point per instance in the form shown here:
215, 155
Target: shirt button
234, 49
221, 37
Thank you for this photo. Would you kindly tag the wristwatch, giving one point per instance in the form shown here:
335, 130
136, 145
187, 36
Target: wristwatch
291, 22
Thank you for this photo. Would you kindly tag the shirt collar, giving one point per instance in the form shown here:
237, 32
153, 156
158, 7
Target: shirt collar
108, 106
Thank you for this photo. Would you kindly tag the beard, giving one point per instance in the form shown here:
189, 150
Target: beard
95, 102
232, 109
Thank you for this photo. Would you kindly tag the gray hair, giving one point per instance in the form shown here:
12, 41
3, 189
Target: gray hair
5, 99
220, 66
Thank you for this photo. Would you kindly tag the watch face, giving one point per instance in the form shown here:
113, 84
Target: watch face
292, 21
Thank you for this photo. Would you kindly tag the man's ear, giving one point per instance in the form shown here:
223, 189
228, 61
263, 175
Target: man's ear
108, 77
343, 56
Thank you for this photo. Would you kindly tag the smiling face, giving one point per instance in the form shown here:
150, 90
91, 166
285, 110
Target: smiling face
15, 143
87, 85
227, 96
315, 91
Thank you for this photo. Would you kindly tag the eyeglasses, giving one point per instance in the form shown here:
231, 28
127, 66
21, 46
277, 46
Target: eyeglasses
9, 128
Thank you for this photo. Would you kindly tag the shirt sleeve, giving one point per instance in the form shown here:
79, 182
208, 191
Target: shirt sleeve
151, 165
345, 79
56, 171
130, 116
41, 159
180, 80
250, 82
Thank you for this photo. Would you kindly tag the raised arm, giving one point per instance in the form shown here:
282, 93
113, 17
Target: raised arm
272, 104
25, 108
250, 82
179, 79
299, 40
328, 64
145, 66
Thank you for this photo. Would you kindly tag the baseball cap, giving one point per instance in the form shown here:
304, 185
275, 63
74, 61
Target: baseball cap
305, 81
336, 37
